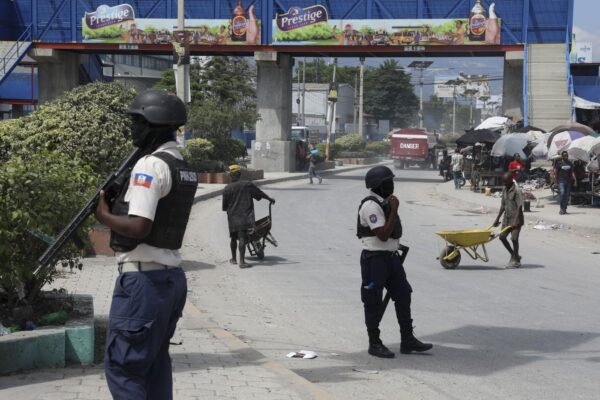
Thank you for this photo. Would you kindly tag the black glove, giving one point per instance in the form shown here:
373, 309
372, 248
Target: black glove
272, 201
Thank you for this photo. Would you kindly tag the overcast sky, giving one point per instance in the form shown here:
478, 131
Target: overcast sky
586, 24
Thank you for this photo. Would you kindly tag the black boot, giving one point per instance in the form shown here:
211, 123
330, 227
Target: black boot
409, 342
376, 347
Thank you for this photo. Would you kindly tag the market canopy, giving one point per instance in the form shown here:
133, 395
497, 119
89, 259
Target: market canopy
494, 123
573, 126
583, 148
478, 136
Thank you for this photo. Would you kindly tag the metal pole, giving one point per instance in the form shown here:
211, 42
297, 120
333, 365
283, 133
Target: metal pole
454, 110
183, 71
355, 103
421, 100
298, 98
330, 114
303, 91
361, 97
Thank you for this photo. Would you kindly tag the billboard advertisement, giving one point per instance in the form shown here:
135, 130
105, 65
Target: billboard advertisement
118, 24
581, 52
312, 26
478, 86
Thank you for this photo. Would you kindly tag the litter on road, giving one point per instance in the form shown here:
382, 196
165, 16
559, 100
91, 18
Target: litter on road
302, 354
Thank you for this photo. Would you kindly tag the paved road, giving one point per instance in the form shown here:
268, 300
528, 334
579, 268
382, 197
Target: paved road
503, 334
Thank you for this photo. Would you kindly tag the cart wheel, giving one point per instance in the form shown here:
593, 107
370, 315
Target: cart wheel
452, 263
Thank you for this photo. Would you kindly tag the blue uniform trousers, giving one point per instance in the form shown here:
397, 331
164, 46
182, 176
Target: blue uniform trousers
144, 312
378, 272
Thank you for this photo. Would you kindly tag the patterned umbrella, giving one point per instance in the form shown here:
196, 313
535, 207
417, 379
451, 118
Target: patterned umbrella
561, 141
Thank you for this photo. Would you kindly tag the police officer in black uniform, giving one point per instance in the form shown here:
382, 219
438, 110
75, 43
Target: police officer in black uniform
148, 220
379, 228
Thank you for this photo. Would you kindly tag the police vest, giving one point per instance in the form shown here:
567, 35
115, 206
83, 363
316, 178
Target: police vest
365, 231
172, 212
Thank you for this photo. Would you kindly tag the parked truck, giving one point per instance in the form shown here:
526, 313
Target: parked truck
413, 146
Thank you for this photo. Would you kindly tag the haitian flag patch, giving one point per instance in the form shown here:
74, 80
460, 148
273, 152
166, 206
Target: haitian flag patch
142, 180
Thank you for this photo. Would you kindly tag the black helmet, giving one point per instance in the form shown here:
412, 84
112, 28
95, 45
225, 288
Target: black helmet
159, 107
377, 175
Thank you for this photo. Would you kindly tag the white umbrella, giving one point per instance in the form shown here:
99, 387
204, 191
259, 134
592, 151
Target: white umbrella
580, 149
493, 123
540, 151
510, 144
561, 141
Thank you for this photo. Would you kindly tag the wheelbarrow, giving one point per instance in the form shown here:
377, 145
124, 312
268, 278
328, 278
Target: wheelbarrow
260, 235
471, 242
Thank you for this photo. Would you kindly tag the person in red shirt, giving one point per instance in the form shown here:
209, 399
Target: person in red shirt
516, 166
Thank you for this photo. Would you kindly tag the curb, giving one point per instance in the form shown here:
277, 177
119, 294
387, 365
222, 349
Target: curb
495, 209
197, 320
262, 182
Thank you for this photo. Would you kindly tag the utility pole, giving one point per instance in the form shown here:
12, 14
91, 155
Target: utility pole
361, 97
421, 66
183, 69
332, 99
454, 83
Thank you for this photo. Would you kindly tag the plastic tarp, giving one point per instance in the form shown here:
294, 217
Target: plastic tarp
584, 104
494, 123
478, 136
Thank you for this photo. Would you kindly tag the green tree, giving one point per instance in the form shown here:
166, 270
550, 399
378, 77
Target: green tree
223, 100
317, 71
389, 94
89, 122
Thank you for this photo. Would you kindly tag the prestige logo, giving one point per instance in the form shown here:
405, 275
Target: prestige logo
106, 16
297, 17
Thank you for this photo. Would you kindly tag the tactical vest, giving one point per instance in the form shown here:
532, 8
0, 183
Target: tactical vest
172, 212
365, 231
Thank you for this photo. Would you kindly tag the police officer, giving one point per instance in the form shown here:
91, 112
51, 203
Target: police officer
379, 228
148, 221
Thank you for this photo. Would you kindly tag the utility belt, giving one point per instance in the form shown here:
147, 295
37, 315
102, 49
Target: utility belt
402, 252
142, 266
379, 253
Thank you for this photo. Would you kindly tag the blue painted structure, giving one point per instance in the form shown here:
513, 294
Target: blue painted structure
523, 21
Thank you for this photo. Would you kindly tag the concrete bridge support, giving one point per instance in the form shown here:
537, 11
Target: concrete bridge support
272, 150
512, 91
58, 71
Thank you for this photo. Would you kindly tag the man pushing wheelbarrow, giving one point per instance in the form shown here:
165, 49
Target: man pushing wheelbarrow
473, 242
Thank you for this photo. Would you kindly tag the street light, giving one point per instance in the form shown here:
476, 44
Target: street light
421, 66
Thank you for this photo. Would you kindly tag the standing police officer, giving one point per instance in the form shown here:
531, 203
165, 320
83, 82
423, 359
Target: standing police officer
148, 221
379, 228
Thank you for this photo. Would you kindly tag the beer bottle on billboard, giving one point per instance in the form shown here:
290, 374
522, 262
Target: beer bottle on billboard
477, 23
238, 23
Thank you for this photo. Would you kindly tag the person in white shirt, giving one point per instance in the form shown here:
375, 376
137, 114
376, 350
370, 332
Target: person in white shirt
148, 220
379, 228
457, 168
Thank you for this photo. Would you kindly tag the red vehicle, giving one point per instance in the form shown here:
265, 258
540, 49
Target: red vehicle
413, 146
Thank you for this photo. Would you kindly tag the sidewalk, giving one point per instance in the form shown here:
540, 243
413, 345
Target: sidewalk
209, 364
544, 210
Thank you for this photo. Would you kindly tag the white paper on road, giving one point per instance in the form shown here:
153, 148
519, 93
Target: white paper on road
302, 354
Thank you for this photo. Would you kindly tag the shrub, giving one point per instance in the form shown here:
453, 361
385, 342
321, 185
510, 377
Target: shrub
227, 149
89, 122
8, 130
380, 148
334, 148
197, 151
38, 196
352, 142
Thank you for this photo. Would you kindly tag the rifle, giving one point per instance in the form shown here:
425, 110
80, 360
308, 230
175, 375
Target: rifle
111, 187
403, 253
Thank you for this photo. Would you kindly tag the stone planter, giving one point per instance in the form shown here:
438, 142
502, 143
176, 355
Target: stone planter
325, 165
223, 177
100, 241
52, 346
359, 161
